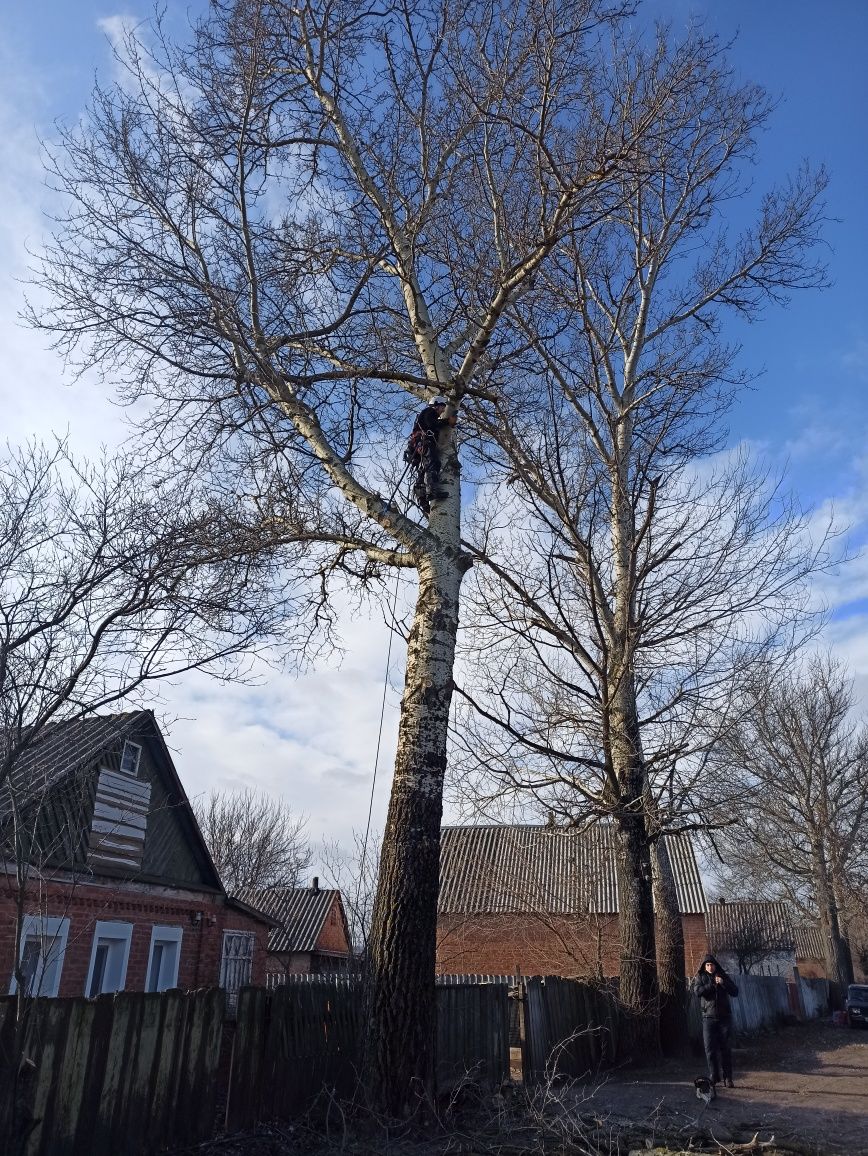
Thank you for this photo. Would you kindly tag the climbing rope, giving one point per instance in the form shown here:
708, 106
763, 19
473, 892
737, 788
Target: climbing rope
363, 858
379, 740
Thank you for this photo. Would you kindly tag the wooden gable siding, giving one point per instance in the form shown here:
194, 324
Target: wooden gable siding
60, 783
171, 843
120, 820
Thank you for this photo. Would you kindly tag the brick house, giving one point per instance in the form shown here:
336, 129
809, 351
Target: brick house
121, 892
545, 900
311, 936
752, 937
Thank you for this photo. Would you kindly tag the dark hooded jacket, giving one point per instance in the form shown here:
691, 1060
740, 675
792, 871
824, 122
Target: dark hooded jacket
714, 997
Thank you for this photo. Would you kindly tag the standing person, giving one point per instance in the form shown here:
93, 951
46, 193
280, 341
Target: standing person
714, 988
423, 453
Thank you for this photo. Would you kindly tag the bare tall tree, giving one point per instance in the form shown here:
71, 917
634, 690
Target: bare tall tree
630, 573
254, 840
288, 233
799, 760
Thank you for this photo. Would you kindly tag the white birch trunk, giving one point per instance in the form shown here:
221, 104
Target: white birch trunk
400, 1009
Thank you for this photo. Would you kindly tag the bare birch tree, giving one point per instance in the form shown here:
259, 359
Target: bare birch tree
632, 573
799, 759
287, 233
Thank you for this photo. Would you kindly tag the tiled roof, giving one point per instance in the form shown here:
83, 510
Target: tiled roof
66, 747
300, 912
809, 942
727, 922
490, 869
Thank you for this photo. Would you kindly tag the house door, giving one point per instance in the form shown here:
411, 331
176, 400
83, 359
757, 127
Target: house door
236, 965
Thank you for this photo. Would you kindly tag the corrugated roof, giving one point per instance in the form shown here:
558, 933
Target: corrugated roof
300, 912
726, 923
490, 869
809, 942
66, 747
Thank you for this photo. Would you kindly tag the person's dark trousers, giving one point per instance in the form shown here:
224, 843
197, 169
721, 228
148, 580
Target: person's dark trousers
718, 1050
431, 467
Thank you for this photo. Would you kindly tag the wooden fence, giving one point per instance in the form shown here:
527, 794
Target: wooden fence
127, 1073
300, 1036
571, 1029
472, 1034
289, 1043
136, 1073
815, 997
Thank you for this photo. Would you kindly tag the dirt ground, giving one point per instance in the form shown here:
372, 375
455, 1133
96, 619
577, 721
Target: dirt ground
806, 1085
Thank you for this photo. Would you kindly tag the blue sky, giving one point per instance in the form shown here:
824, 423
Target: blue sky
808, 408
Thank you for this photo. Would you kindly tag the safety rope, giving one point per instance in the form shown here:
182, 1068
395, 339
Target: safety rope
363, 857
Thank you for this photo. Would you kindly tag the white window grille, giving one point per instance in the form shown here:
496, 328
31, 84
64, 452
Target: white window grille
130, 756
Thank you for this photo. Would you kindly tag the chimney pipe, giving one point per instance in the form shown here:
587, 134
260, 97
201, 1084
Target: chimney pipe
315, 884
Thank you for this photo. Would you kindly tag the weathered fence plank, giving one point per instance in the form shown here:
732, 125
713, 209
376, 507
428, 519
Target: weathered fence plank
105, 1072
815, 996
472, 1034
572, 1028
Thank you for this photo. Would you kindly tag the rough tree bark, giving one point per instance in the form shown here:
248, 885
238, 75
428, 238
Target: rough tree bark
671, 965
638, 970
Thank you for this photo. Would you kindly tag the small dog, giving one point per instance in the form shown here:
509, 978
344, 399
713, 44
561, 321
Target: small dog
704, 1089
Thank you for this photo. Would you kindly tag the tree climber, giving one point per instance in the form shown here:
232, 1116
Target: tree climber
423, 453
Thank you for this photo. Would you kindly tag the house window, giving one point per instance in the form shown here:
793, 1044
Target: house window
130, 756
43, 944
164, 957
108, 958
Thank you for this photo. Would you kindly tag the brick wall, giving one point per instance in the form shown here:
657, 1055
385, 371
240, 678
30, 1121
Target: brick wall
144, 907
288, 963
544, 945
811, 968
333, 936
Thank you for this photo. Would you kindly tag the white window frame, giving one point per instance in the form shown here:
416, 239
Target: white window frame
137, 747
164, 934
109, 929
52, 931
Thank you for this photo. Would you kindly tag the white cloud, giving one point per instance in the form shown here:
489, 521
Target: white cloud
855, 359
36, 396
